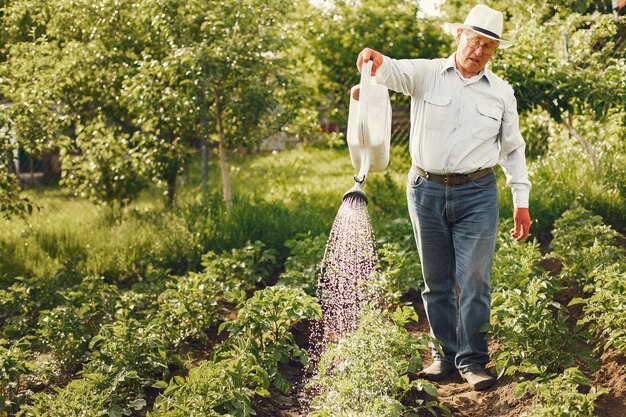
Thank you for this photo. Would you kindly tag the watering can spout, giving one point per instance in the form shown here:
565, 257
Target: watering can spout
356, 192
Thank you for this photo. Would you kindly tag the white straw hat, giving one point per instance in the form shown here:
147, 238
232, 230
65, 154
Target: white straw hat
485, 21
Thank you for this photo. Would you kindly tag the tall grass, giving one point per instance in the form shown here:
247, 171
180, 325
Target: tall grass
276, 197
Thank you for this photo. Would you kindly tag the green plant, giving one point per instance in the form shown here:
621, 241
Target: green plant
126, 357
560, 396
14, 366
22, 302
604, 310
583, 243
215, 388
397, 273
266, 320
367, 373
68, 328
532, 330
128, 344
515, 263
303, 265
188, 307
242, 268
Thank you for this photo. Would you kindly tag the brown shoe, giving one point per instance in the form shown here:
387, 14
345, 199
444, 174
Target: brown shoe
478, 379
437, 370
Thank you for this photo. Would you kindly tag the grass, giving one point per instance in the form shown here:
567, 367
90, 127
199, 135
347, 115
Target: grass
276, 197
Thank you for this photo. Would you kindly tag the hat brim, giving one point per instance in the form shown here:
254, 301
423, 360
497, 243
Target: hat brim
451, 28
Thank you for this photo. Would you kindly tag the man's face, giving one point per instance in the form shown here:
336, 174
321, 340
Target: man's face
473, 51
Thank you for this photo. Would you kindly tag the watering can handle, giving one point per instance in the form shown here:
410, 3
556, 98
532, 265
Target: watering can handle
363, 130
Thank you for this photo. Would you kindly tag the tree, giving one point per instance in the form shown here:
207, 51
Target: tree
342, 30
249, 54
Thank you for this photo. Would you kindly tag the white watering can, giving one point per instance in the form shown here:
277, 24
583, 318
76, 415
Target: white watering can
369, 128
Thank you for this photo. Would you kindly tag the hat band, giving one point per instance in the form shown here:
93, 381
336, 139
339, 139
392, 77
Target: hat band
486, 32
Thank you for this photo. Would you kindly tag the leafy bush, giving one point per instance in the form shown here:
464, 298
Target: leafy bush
265, 320
215, 388
366, 374
303, 265
187, 308
532, 330
515, 262
22, 302
14, 365
397, 273
605, 311
586, 246
560, 396
68, 328
243, 268
130, 345
583, 243
127, 357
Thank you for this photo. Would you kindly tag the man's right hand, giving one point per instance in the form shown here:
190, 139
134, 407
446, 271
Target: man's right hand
365, 55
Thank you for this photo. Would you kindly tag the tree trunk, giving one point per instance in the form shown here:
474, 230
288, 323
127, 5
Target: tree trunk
204, 150
171, 190
228, 200
567, 122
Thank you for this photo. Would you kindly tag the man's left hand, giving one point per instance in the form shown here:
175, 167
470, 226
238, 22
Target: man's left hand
521, 216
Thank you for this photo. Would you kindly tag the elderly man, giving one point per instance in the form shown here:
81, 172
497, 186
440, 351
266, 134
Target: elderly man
463, 122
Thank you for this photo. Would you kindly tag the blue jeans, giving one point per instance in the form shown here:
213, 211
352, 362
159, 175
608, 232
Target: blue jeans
455, 230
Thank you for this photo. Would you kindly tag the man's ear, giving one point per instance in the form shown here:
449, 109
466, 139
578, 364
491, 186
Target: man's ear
459, 33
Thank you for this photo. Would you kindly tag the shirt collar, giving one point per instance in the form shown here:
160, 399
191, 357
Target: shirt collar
449, 64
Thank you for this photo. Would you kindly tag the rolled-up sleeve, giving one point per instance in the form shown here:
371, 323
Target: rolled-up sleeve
512, 154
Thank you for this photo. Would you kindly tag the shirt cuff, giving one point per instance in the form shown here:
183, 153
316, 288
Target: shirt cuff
520, 197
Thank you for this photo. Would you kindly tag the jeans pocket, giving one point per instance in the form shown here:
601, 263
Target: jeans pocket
488, 181
414, 179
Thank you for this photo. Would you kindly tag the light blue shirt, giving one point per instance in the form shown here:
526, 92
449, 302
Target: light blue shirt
458, 124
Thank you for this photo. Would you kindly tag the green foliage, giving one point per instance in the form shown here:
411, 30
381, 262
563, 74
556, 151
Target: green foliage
587, 248
67, 329
604, 309
215, 388
532, 329
367, 373
266, 320
344, 28
104, 165
243, 268
129, 345
303, 265
126, 357
11, 201
561, 396
187, 308
515, 263
583, 244
397, 272
23, 301
581, 80
14, 365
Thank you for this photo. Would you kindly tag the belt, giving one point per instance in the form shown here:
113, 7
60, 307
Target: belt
452, 179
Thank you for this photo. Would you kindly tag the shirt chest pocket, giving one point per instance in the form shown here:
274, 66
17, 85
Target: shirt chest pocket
487, 121
436, 111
